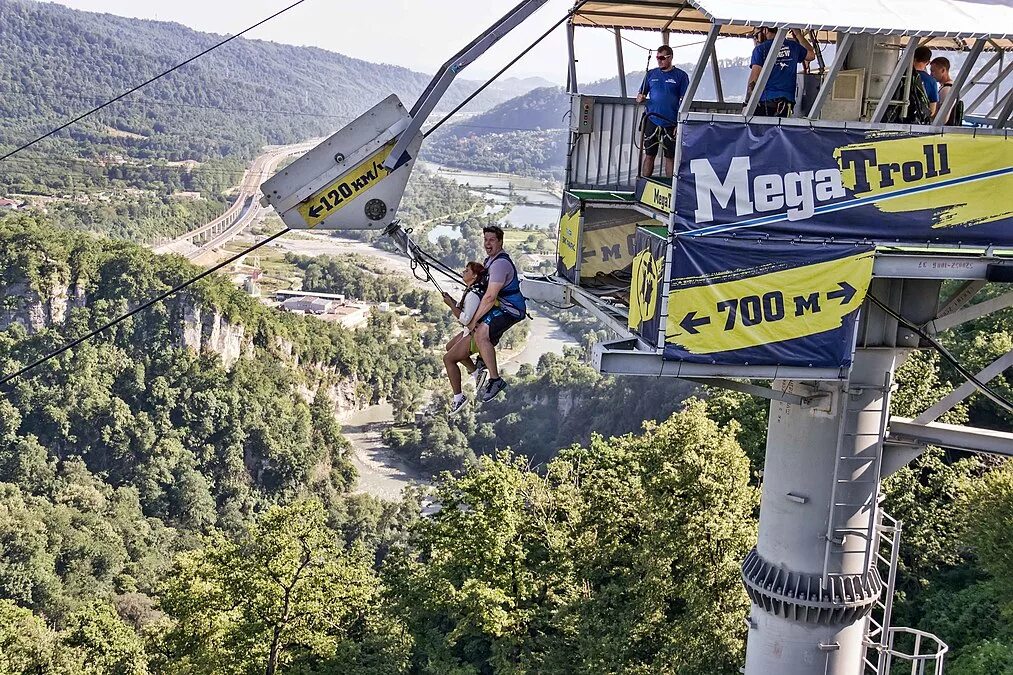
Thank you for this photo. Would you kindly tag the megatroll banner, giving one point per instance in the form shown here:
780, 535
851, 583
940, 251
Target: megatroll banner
854, 184
758, 302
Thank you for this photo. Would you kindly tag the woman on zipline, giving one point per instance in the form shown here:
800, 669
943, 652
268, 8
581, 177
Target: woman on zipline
462, 346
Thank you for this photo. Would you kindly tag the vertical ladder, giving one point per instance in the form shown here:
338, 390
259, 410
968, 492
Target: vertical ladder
867, 464
877, 628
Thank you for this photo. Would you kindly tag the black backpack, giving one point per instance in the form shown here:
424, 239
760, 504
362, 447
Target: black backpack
918, 111
918, 103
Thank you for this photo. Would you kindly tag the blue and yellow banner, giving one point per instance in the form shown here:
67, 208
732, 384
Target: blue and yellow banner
570, 219
757, 302
857, 185
646, 282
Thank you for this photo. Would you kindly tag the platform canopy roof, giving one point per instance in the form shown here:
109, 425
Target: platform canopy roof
947, 24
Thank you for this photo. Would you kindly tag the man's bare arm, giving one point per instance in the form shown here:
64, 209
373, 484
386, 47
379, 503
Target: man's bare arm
488, 302
754, 75
810, 53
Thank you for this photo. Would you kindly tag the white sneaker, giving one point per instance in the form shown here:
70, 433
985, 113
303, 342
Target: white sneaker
480, 374
457, 404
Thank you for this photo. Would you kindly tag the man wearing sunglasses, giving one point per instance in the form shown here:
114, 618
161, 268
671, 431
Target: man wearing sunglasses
778, 97
663, 89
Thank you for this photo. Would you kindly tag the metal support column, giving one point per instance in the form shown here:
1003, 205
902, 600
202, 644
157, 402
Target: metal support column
902, 68
958, 84
811, 592
701, 66
843, 47
622, 66
716, 70
571, 79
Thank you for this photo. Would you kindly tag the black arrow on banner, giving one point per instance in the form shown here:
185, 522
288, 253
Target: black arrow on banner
847, 292
315, 211
689, 323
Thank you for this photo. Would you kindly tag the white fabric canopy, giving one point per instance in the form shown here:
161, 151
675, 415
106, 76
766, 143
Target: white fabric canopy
952, 24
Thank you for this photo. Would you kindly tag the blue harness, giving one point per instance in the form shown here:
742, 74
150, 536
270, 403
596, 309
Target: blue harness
510, 296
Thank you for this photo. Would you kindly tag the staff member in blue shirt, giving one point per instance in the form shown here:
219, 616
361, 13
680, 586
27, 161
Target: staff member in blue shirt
778, 97
663, 89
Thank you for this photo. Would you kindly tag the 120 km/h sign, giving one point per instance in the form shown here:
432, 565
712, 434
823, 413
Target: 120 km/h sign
336, 195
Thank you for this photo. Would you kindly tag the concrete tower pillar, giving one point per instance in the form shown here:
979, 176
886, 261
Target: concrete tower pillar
811, 577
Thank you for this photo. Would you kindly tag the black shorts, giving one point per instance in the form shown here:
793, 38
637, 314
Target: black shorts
655, 136
498, 322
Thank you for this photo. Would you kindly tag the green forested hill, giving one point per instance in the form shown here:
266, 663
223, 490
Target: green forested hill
526, 134
56, 62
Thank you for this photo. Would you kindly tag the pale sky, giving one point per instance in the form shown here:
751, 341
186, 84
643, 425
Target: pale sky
419, 34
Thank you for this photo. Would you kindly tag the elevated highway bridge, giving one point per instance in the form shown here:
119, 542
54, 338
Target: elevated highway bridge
243, 211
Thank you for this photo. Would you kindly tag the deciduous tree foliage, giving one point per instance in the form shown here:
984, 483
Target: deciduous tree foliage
620, 557
284, 596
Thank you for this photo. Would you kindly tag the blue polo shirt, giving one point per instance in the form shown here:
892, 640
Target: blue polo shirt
664, 91
931, 86
781, 83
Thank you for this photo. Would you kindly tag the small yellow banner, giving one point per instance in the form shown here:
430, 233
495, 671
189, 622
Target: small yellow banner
569, 235
338, 194
768, 308
657, 196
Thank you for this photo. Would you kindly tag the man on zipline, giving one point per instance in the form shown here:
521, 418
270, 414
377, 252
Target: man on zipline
502, 306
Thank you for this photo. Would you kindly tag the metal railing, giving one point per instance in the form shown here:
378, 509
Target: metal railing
880, 636
919, 661
607, 158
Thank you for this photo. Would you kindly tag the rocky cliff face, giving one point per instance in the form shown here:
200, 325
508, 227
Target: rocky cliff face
205, 329
202, 329
34, 310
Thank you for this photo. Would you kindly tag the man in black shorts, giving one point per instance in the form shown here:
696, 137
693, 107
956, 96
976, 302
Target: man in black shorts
663, 89
502, 306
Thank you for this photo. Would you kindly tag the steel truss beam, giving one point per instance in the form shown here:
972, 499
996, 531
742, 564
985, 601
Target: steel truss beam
970, 313
966, 389
953, 436
622, 358
762, 392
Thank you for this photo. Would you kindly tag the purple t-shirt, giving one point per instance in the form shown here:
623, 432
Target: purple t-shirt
500, 271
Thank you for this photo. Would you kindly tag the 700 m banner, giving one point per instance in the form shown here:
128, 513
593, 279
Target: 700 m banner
742, 302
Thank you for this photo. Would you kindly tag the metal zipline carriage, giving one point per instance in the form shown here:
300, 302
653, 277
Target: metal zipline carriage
808, 250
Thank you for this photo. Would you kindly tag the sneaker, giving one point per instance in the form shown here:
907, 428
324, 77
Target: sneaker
492, 389
456, 404
480, 373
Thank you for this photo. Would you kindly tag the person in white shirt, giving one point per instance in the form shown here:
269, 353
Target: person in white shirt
462, 346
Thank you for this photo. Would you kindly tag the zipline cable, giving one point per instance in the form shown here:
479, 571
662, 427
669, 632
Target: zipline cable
989, 393
501, 71
138, 309
147, 82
